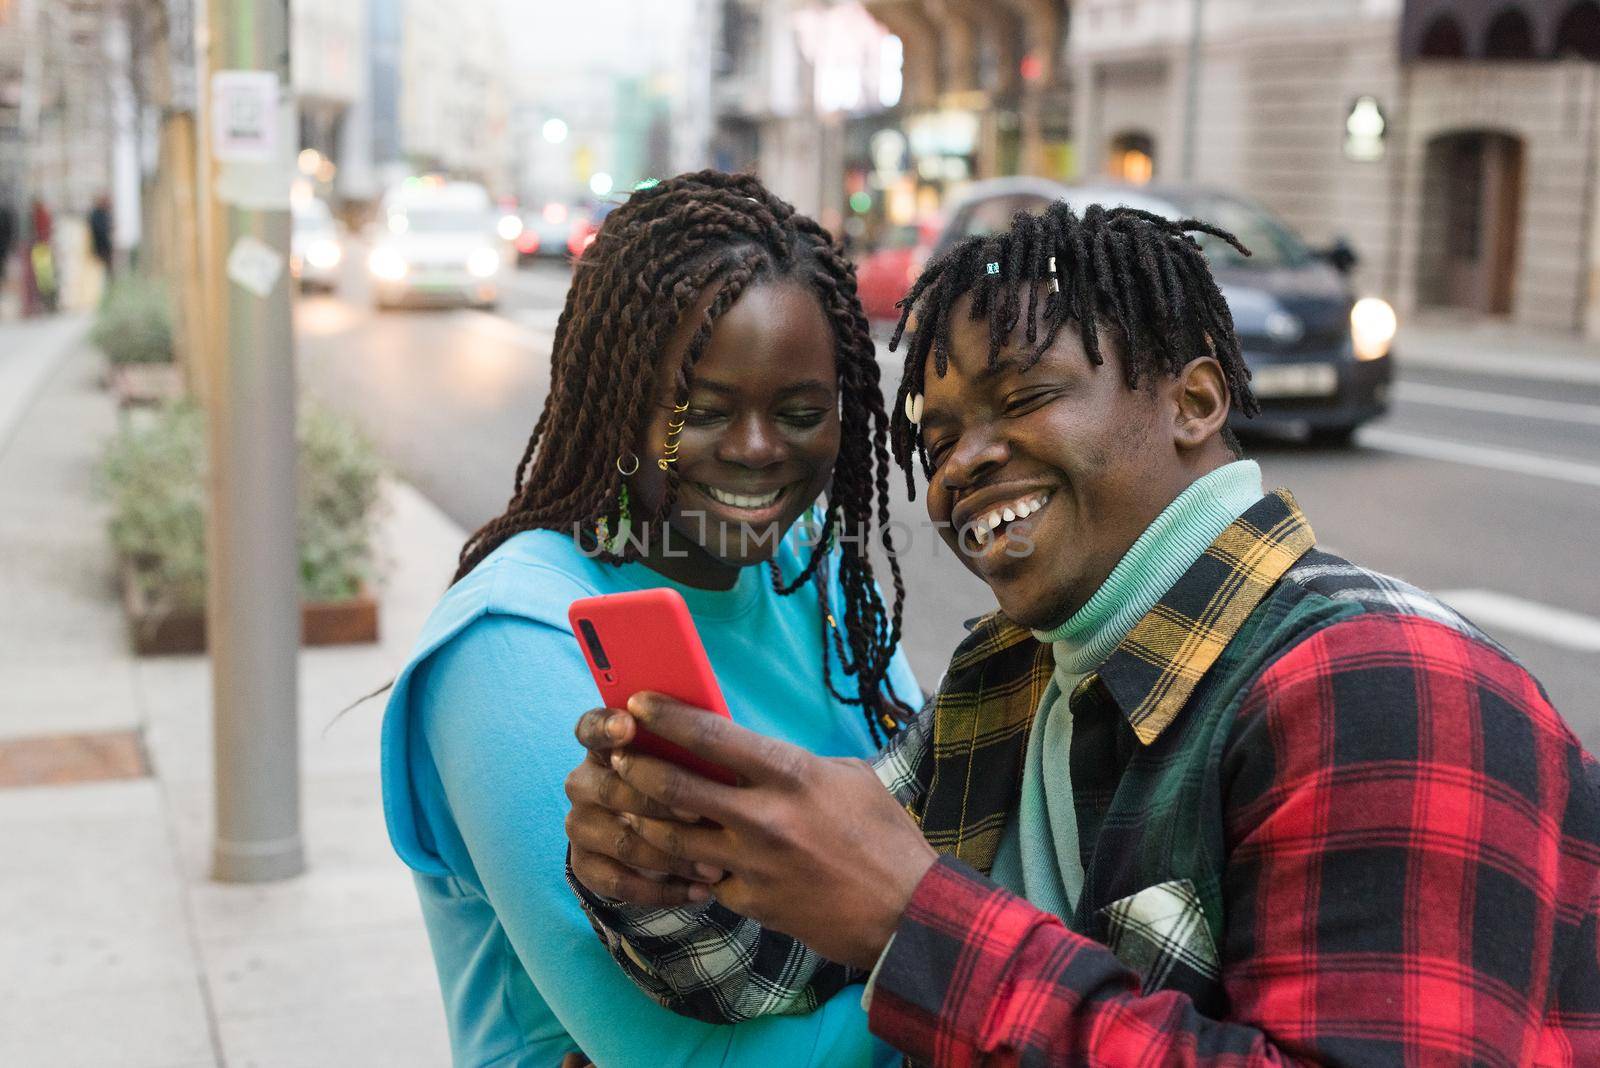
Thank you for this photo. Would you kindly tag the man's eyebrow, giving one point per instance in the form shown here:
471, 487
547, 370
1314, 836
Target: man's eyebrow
937, 416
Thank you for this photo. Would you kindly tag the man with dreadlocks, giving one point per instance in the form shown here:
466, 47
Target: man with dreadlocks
712, 377
1199, 793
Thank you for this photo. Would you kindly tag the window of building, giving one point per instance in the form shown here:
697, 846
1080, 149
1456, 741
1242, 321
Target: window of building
1132, 158
1510, 36
1578, 32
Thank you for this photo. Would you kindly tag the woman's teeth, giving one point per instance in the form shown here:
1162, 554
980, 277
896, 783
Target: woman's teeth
742, 500
984, 527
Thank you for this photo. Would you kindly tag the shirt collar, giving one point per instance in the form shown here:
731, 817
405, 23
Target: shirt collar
1152, 671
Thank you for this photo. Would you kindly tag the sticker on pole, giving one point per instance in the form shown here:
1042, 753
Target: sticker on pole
244, 116
254, 265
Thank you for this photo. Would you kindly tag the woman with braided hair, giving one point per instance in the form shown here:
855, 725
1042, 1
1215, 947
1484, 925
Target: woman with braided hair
715, 426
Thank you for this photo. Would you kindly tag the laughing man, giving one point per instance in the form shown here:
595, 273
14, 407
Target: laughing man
1197, 793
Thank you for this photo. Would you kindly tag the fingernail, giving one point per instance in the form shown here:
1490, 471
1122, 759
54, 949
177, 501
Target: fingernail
632, 821
616, 727
619, 761
707, 874
698, 893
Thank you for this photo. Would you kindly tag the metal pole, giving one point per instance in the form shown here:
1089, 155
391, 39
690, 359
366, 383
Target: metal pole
254, 600
1191, 104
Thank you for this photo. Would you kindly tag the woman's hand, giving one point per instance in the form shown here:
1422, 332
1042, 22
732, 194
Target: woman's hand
607, 855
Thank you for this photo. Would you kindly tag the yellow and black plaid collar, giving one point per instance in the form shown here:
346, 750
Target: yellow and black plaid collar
985, 706
1152, 672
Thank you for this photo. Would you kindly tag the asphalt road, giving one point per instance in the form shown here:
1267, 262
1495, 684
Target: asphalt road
1484, 489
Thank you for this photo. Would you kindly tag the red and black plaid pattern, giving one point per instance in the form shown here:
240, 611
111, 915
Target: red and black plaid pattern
1412, 838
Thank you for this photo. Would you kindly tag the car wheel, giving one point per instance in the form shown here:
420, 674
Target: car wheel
1333, 437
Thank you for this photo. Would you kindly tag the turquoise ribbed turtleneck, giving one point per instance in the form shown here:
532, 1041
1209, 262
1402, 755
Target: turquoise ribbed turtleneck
1039, 856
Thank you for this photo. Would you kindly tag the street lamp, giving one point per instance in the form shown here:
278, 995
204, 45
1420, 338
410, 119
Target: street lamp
555, 131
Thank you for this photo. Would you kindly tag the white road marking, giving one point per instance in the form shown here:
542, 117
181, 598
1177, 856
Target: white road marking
1541, 622
1494, 459
1473, 400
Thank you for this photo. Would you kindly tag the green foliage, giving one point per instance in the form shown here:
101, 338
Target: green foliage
154, 474
134, 324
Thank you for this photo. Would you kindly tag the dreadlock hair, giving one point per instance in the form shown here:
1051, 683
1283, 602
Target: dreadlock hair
653, 258
1142, 275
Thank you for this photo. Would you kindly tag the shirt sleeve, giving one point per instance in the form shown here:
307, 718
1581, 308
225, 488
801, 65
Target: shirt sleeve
1411, 859
496, 712
712, 964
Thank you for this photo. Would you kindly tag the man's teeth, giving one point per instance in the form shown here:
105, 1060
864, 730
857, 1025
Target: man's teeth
741, 500
984, 526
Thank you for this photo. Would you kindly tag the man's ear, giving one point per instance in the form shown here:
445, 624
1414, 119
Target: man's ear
1200, 396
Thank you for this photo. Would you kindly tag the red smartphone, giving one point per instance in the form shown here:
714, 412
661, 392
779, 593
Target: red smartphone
645, 640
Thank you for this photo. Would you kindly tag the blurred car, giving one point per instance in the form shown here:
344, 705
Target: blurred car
547, 232
437, 245
1320, 359
885, 273
583, 235
315, 250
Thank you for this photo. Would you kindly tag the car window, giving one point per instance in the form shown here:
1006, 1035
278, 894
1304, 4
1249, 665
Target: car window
1271, 243
993, 215
443, 220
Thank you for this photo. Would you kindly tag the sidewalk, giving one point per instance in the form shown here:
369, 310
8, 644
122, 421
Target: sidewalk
1496, 348
118, 948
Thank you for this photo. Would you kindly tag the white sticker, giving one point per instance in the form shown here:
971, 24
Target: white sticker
255, 265
244, 111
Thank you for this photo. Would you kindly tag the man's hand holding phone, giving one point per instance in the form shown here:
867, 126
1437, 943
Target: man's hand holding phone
608, 856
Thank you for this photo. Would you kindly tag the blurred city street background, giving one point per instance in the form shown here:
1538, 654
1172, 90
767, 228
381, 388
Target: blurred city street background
1420, 180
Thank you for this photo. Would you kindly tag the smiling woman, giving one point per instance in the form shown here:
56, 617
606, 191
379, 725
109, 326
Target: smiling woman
714, 426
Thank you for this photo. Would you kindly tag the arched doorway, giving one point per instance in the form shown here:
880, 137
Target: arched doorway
1471, 213
1510, 36
1443, 39
1132, 157
1578, 32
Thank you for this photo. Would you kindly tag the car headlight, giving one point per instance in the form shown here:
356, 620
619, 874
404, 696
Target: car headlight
509, 227
387, 264
324, 255
1372, 328
483, 262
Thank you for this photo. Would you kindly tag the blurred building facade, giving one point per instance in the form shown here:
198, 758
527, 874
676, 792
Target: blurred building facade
1455, 143
597, 111
57, 129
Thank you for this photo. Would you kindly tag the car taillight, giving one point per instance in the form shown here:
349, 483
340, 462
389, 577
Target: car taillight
528, 243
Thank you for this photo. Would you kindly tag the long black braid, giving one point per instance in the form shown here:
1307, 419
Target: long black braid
654, 256
1139, 273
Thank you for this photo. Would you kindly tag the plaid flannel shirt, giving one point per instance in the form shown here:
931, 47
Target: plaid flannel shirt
1323, 820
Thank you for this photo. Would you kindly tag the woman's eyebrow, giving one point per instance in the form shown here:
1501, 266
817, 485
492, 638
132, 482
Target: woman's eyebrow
810, 385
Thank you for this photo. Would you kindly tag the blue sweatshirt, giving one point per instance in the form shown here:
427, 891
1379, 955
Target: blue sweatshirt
477, 743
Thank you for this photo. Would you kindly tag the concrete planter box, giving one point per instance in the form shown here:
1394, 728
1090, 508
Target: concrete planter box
349, 622
145, 384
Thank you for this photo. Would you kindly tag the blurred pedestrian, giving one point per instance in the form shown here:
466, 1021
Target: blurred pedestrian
100, 232
8, 237
40, 284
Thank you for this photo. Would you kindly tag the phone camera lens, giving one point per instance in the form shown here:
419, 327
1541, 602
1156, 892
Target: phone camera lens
592, 640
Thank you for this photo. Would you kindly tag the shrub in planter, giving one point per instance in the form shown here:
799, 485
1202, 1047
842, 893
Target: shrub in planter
134, 324
155, 476
134, 330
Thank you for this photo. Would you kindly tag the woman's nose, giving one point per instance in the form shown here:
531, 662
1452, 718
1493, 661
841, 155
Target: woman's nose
752, 441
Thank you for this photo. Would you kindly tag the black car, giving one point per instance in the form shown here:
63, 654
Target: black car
1320, 359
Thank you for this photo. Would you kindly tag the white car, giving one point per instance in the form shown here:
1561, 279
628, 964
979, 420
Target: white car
315, 251
436, 245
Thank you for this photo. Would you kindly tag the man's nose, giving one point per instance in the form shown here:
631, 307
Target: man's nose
977, 455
